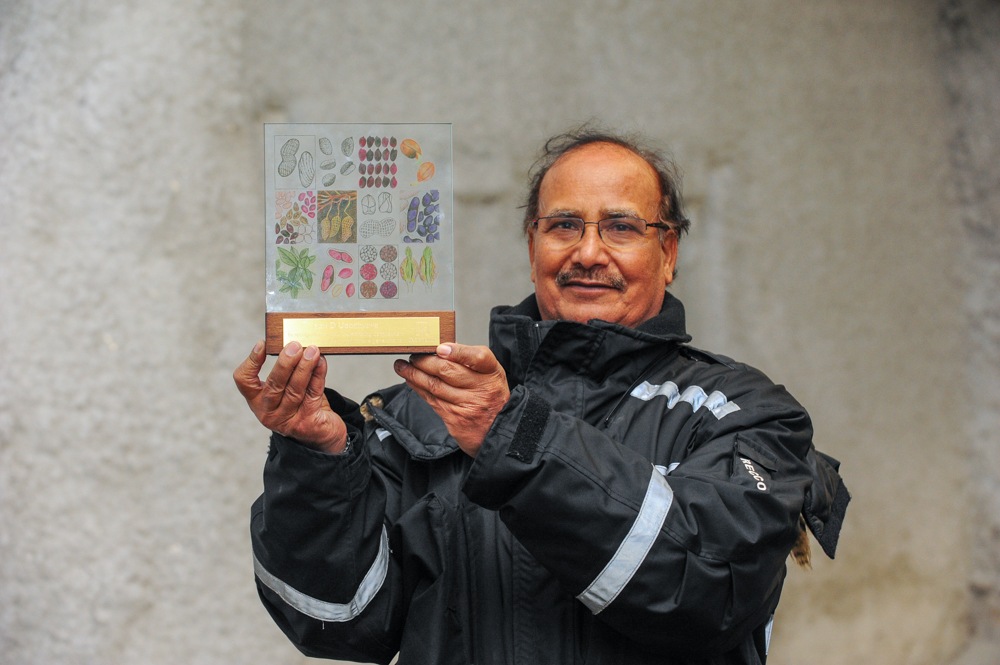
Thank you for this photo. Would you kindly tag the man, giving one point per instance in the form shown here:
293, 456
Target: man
588, 489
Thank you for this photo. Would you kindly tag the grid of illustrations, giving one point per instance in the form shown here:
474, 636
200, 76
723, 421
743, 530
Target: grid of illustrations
359, 217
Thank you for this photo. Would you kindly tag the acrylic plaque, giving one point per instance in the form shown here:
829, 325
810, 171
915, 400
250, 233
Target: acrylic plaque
359, 237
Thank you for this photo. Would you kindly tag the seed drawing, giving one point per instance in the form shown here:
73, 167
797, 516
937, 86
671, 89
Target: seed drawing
424, 218
378, 227
425, 171
341, 255
289, 150
295, 225
337, 211
410, 148
283, 200
376, 162
307, 170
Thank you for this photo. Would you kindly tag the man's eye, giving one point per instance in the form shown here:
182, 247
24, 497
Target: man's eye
567, 224
623, 226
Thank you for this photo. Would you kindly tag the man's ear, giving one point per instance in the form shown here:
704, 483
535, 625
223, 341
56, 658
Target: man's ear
669, 248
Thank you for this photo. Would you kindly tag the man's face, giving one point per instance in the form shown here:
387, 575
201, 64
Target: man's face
589, 280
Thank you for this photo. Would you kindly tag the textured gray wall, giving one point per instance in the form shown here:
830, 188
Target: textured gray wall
840, 165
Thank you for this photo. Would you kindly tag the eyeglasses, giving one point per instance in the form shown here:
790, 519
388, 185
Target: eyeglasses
560, 231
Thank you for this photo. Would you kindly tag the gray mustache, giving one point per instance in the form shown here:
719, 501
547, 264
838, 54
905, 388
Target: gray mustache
599, 276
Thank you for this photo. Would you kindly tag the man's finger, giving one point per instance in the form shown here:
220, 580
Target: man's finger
277, 380
297, 387
247, 375
317, 381
422, 377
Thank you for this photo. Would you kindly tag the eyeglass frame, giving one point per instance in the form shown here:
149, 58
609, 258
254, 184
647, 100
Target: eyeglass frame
657, 225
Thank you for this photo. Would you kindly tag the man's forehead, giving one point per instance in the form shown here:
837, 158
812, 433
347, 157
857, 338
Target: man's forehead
580, 175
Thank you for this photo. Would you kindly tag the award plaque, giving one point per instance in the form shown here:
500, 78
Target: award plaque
359, 233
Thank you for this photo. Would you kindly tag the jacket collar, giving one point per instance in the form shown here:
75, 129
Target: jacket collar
517, 332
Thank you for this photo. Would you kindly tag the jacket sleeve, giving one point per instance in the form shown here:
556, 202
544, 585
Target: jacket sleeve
321, 553
686, 556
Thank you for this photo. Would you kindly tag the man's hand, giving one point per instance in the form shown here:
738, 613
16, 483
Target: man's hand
291, 400
465, 385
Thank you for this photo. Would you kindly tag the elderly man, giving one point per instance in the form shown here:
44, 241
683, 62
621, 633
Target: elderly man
587, 489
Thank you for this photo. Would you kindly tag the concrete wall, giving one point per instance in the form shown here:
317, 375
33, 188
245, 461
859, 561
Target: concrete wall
840, 165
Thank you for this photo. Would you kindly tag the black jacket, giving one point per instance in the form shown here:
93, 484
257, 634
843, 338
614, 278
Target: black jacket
634, 502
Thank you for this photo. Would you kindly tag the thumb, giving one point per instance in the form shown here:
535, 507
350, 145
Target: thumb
477, 358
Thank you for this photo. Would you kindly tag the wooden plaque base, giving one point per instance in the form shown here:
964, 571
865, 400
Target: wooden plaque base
360, 332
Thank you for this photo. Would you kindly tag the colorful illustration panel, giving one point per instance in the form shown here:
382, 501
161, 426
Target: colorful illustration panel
359, 217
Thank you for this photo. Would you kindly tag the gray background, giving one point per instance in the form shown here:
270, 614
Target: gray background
840, 165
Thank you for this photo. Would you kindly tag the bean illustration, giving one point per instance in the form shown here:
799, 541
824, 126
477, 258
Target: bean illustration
326, 146
290, 148
286, 167
346, 228
378, 227
410, 148
307, 170
425, 171
288, 151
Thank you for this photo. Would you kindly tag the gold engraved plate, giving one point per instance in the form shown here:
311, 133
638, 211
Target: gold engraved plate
385, 331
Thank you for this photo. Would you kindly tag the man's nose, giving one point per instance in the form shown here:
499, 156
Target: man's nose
591, 249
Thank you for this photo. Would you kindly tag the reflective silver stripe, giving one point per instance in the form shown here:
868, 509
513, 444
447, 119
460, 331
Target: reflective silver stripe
767, 635
716, 402
382, 433
633, 549
333, 612
667, 470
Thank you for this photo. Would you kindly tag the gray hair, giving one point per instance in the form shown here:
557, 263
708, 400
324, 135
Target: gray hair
668, 177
